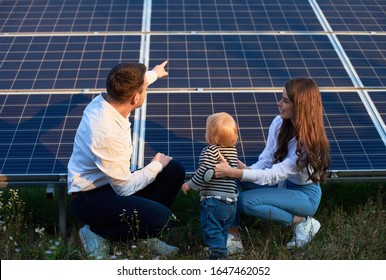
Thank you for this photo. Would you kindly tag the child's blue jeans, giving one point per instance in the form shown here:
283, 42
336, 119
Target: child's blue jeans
216, 216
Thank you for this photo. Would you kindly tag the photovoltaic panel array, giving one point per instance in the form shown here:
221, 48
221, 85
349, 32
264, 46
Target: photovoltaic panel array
62, 62
37, 131
355, 143
232, 55
176, 124
355, 15
247, 61
368, 55
70, 16
378, 97
233, 16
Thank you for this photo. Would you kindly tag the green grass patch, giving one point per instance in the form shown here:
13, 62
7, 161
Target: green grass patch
352, 216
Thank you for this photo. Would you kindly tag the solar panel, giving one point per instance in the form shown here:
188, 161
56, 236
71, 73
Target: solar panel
37, 131
70, 16
348, 15
175, 124
233, 16
368, 56
379, 99
355, 142
247, 61
232, 56
62, 62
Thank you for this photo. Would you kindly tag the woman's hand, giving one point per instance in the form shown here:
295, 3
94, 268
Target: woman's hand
241, 165
224, 170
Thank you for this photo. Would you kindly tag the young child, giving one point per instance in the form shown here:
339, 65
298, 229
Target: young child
218, 197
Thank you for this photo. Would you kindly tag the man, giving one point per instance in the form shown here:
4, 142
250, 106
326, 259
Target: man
114, 203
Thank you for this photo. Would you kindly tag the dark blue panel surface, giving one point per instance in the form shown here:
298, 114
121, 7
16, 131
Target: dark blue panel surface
175, 122
234, 16
176, 125
70, 16
368, 56
345, 15
244, 61
379, 100
247, 46
63, 62
37, 131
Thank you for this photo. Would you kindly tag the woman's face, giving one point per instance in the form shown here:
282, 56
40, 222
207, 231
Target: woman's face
286, 107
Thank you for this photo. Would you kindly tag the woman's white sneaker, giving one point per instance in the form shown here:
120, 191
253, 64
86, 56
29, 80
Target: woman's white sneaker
303, 233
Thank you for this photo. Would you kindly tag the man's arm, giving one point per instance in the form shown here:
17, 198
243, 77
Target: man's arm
157, 72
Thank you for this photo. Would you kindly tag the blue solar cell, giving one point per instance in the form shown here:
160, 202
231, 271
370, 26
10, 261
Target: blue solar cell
367, 55
46, 123
77, 67
35, 129
70, 16
378, 97
233, 67
174, 116
247, 15
346, 15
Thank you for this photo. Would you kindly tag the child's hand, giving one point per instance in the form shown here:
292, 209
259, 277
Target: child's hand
185, 188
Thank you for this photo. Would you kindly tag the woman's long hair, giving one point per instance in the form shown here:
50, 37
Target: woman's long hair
312, 144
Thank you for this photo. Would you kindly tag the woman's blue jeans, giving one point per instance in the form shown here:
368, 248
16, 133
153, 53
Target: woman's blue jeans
279, 204
216, 217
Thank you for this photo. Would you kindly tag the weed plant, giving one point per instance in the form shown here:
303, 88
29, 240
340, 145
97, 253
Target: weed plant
352, 218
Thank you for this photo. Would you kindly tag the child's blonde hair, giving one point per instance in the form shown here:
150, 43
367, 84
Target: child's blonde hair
221, 129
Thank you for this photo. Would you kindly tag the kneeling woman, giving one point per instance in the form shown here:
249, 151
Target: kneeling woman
284, 184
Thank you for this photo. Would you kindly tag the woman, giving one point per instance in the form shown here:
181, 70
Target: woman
285, 181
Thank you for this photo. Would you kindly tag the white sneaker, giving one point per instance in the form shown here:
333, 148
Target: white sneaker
159, 247
94, 245
234, 244
303, 233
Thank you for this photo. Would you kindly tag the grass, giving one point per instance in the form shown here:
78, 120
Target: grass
352, 218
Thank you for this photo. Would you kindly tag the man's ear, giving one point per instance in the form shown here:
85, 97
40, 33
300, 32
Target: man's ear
134, 100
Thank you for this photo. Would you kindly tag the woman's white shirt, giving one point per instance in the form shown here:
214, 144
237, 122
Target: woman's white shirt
264, 172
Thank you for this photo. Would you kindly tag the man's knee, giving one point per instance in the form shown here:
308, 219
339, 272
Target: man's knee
176, 170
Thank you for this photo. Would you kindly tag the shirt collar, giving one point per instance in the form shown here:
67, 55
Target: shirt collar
121, 120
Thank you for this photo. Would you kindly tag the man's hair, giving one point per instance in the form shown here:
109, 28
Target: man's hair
221, 129
124, 80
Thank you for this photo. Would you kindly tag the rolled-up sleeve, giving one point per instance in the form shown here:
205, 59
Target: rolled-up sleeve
151, 77
113, 159
271, 176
